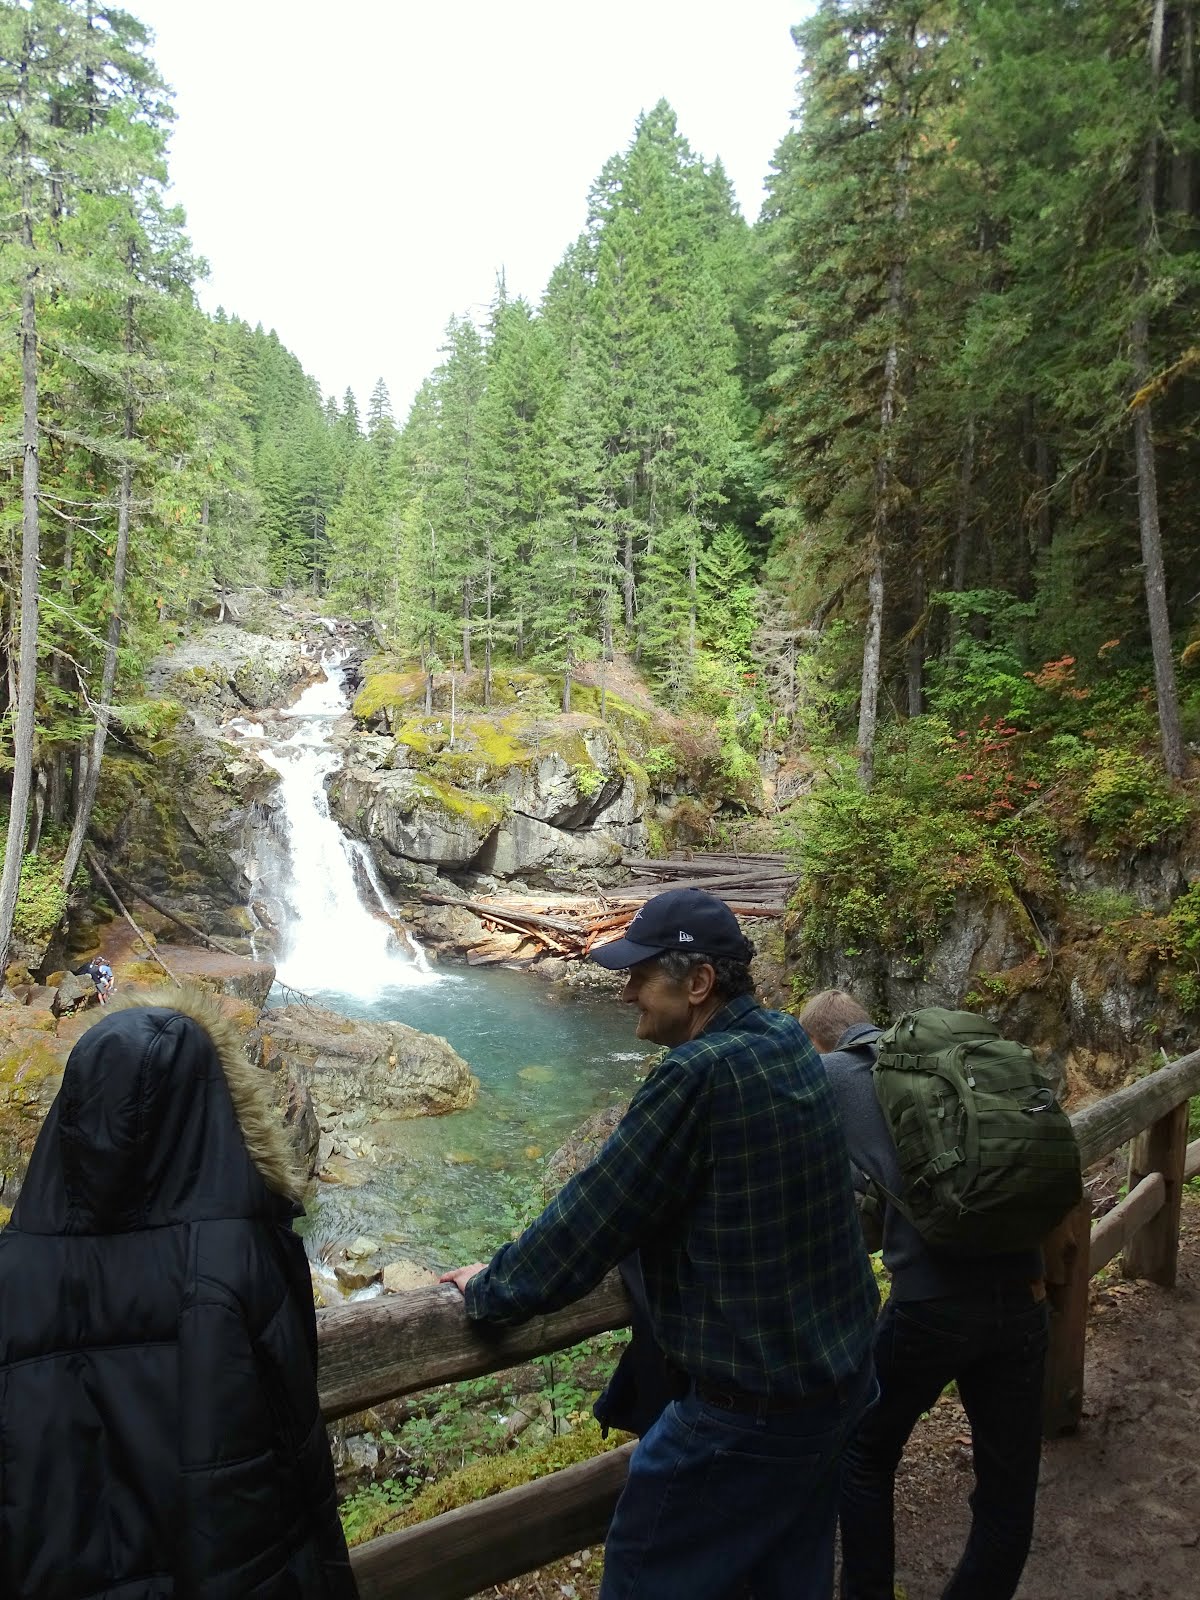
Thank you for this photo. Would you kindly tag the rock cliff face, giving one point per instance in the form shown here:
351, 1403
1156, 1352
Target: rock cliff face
510, 793
1097, 998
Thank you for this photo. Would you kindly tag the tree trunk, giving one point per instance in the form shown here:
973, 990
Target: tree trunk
1041, 463
868, 706
962, 537
915, 655
692, 603
566, 694
57, 792
1182, 160
869, 703
1143, 444
86, 799
22, 777
487, 645
627, 576
868, 709
466, 628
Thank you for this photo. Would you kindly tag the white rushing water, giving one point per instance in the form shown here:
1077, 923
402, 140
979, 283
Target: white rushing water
330, 940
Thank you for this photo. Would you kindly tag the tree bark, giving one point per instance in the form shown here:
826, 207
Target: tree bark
962, 536
692, 602
1183, 161
86, 798
627, 576
14, 849
915, 659
868, 710
1143, 445
487, 643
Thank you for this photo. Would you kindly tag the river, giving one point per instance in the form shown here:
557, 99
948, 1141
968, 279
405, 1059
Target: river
546, 1057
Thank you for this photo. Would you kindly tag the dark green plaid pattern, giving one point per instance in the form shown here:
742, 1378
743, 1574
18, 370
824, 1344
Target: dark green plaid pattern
729, 1171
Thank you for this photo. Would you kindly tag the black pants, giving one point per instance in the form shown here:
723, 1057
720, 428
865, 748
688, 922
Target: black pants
993, 1345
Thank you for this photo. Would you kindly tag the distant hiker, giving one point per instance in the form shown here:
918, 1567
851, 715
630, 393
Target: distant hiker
976, 1320
729, 1173
103, 977
159, 1426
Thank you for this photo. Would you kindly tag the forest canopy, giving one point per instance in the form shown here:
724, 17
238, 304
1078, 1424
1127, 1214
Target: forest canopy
922, 432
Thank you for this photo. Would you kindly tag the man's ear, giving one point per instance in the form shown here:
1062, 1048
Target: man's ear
702, 980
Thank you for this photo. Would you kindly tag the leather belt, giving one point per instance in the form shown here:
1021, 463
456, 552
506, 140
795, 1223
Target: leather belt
730, 1398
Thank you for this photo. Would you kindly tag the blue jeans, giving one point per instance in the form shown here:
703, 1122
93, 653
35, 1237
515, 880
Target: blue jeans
721, 1504
993, 1345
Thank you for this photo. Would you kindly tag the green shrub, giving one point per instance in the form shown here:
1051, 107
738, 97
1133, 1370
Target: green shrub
41, 898
1128, 804
1183, 947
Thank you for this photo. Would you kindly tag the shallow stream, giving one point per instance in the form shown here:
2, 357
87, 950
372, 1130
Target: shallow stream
545, 1058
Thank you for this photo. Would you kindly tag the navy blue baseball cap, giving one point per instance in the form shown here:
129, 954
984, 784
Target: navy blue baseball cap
690, 920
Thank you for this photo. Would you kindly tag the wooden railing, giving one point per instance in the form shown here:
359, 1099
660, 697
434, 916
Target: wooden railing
381, 1349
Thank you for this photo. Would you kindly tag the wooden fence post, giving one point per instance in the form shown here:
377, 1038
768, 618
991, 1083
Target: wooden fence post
1153, 1252
1067, 1276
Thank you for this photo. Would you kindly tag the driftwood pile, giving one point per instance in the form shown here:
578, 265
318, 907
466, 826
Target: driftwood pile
569, 926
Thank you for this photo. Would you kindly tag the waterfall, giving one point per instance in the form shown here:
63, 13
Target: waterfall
330, 941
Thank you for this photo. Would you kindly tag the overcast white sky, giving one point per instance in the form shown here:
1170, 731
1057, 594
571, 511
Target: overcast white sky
356, 172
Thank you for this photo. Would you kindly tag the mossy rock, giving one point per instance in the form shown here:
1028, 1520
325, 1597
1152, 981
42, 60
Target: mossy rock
483, 815
388, 693
634, 725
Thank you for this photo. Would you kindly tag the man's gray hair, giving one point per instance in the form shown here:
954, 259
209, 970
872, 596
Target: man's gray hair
827, 1015
733, 978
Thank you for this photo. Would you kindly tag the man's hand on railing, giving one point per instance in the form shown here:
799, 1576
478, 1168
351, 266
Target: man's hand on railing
461, 1276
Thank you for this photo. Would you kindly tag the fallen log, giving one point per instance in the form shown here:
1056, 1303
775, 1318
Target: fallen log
171, 916
497, 910
93, 862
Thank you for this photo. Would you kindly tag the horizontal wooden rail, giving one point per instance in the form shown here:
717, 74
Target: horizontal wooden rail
1118, 1226
463, 1551
375, 1350
1109, 1123
381, 1349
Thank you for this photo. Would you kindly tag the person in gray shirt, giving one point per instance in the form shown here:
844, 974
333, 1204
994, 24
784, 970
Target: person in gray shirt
977, 1321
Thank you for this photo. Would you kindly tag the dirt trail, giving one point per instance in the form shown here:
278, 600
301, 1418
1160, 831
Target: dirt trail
1119, 1505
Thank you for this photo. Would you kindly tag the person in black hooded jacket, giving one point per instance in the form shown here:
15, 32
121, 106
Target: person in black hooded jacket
159, 1427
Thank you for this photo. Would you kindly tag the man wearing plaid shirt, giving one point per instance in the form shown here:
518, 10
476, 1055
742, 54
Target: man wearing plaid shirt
730, 1174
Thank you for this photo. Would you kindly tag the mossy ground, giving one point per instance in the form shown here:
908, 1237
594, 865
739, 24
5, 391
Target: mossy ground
488, 1475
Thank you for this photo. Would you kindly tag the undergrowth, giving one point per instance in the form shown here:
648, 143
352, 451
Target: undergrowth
462, 1446
981, 796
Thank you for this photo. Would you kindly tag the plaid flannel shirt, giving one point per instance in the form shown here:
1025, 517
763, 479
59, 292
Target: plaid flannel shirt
730, 1173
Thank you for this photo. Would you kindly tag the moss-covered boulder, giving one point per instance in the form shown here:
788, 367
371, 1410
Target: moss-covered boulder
31, 1066
411, 816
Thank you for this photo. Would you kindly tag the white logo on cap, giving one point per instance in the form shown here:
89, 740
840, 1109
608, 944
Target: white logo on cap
685, 938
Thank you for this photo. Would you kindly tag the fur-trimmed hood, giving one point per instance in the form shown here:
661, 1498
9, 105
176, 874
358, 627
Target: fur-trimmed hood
161, 1118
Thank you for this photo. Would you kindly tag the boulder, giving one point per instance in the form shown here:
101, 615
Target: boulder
237, 977
400, 1276
364, 1074
526, 845
582, 1147
403, 814
72, 994
352, 1275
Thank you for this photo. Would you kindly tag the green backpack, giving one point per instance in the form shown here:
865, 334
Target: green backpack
988, 1156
